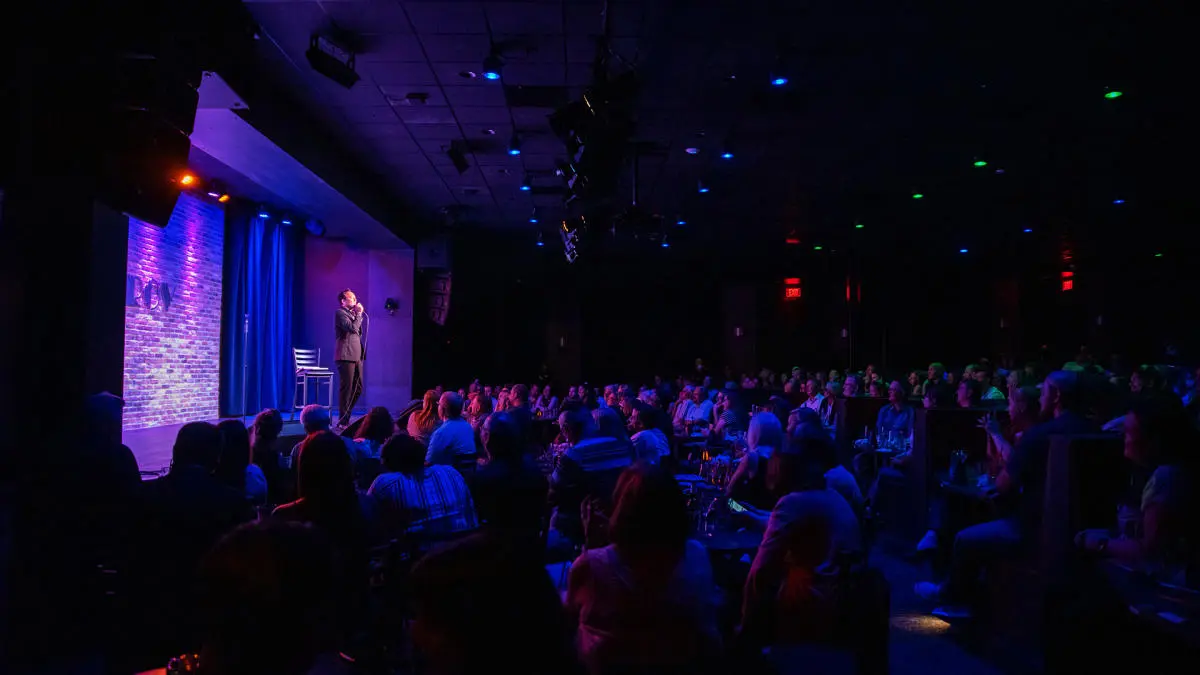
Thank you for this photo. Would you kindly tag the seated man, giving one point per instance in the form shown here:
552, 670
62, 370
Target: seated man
1022, 481
587, 470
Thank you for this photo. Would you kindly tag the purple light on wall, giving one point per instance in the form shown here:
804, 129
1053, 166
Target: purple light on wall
173, 317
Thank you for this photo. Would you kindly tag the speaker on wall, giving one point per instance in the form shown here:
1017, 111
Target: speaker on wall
439, 298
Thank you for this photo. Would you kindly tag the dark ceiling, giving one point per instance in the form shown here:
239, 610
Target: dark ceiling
883, 100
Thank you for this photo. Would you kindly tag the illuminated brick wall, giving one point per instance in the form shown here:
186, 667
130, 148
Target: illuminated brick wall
173, 317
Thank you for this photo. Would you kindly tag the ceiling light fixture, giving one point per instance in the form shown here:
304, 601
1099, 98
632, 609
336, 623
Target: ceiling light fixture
918, 195
263, 213
526, 185
492, 67
979, 163
701, 187
1114, 94
691, 151
681, 222
514, 145
778, 81
540, 243
664, 242
533, 217
859, 226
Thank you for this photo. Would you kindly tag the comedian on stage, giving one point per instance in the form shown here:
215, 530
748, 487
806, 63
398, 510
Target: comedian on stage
349, 352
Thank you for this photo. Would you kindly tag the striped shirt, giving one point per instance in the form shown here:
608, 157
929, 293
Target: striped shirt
435, 501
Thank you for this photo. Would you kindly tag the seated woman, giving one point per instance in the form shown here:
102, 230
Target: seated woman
376, 427
418, 499
807, 533
422, 423
1159, 437
645, 603
748, 484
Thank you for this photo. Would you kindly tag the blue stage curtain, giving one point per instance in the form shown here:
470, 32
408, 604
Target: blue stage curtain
261, 256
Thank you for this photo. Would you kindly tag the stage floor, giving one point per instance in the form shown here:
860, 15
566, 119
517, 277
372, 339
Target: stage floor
152, 447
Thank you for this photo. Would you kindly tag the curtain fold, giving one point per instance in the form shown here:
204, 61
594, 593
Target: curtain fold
256, 356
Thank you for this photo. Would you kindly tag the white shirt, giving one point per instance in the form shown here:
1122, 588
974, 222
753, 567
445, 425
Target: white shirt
813, 403
651, 445
698, 412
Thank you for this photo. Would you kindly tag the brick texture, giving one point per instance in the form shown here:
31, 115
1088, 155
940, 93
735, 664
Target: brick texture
173, 337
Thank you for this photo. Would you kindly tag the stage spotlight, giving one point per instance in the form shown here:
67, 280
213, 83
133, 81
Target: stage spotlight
540, 243
691, 151
533, 217
779, 81
514, 145
1118, 202
333, 60
526, 185
492, 66
681, 222
263, 213
918, 195
187, 180
216, 190
286, 220
962, 250
1028, 230
664, 242
727, 152
701, 187
1114, 94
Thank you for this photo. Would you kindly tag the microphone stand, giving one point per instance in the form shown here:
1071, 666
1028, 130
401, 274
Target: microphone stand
245, 361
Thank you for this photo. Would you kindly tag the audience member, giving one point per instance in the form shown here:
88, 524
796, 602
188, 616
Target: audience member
234, 467
422, 423
508, 489
429, 501
455, 438
645, 603
265, 451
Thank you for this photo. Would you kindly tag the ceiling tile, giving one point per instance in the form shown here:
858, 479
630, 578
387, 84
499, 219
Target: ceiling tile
364, 92
396, 72
502, 174
489, 117
456, 74
436, 132
524, 48
457, 48
541, 144
534, 74
540, 163
397, 95
381, 129
368, 113
476, 96
422, 115
531, 118
525, 17
365, 18
439, 16
389, 47
435, 150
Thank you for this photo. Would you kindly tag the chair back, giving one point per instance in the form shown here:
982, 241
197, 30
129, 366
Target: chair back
1087, 476
306, 358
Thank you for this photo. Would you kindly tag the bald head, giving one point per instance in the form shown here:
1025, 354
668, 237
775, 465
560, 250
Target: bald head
450, 406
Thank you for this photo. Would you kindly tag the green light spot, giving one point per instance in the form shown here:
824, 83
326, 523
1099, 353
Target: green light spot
1114, 94
918, 195
816, 248
859, 226
980, 163
1157, 255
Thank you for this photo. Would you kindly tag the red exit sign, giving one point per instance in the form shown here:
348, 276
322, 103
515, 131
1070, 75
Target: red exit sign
791, 294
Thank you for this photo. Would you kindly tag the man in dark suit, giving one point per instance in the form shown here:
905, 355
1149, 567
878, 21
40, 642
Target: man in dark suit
348, 353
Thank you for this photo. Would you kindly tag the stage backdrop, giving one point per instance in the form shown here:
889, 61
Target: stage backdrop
375, 276
173, 316
260, 262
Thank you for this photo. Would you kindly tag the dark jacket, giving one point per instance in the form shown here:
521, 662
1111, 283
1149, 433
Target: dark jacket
348, 329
